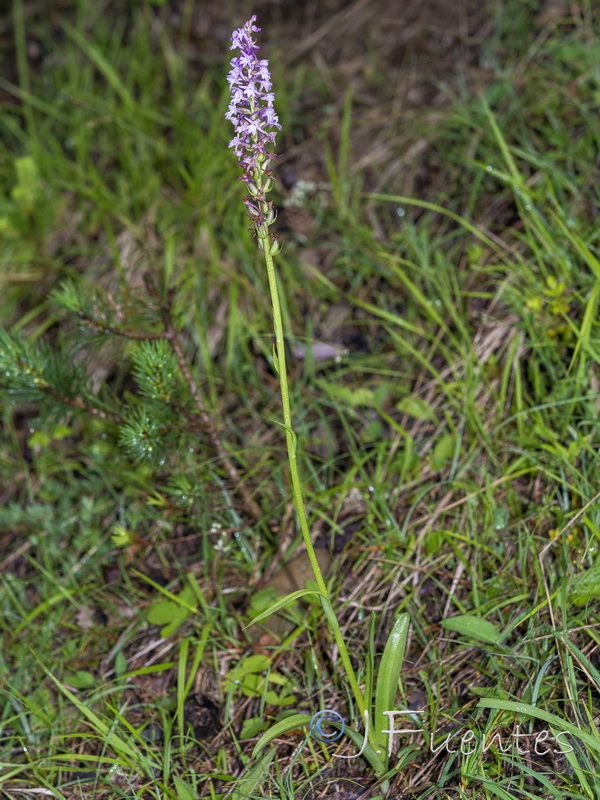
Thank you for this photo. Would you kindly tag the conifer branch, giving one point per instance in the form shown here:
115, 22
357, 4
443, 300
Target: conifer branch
171, 334
103, 327
252, 506
77, 402
33, 372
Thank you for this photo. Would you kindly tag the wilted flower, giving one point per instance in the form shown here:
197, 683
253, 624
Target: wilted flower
253, 116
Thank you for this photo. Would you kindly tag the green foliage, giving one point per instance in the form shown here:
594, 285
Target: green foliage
481, 630
143, 433
586, 587
73, 297
388, 675
171, 614
22, 367
154, 368
25, 218
40, 373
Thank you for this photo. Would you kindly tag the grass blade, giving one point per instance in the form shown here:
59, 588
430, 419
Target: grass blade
253, 778
592, 742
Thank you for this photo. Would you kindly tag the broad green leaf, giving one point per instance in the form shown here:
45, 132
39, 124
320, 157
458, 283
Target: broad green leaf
351, 397
474, 627
246, 674
61, 431
261, 600
388, 675
169, 629
252, 727
165, 611
184, 790
38, 439
443, 452
279, 679
26, 192
415, 407
80, 680
172, 613
279, 699
433, 541
254, 663
120, 665
251, 685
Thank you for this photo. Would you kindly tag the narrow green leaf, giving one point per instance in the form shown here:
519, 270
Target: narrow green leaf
283, 726
102, 64
586, 586
378, 762
111, 738
592, 741
181, 599
388, 676
585, 331
282, 602
583, 659
253, 778
370, 658
585, 253
393, 319
437, 209
496, 790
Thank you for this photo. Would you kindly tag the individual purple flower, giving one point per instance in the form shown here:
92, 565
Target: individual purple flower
254, 119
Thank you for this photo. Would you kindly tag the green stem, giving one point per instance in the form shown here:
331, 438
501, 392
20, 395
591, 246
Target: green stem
290, 439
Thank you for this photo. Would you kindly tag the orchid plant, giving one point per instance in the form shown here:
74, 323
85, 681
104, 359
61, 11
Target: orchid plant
255, 120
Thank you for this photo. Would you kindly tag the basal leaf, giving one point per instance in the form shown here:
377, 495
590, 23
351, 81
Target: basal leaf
388, 675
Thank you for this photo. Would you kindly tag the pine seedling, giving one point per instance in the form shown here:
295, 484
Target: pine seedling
36, 373
21, 368
158, 426
155, 370
143, 435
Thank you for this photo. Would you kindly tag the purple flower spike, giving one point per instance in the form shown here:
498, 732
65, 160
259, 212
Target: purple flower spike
254, 119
